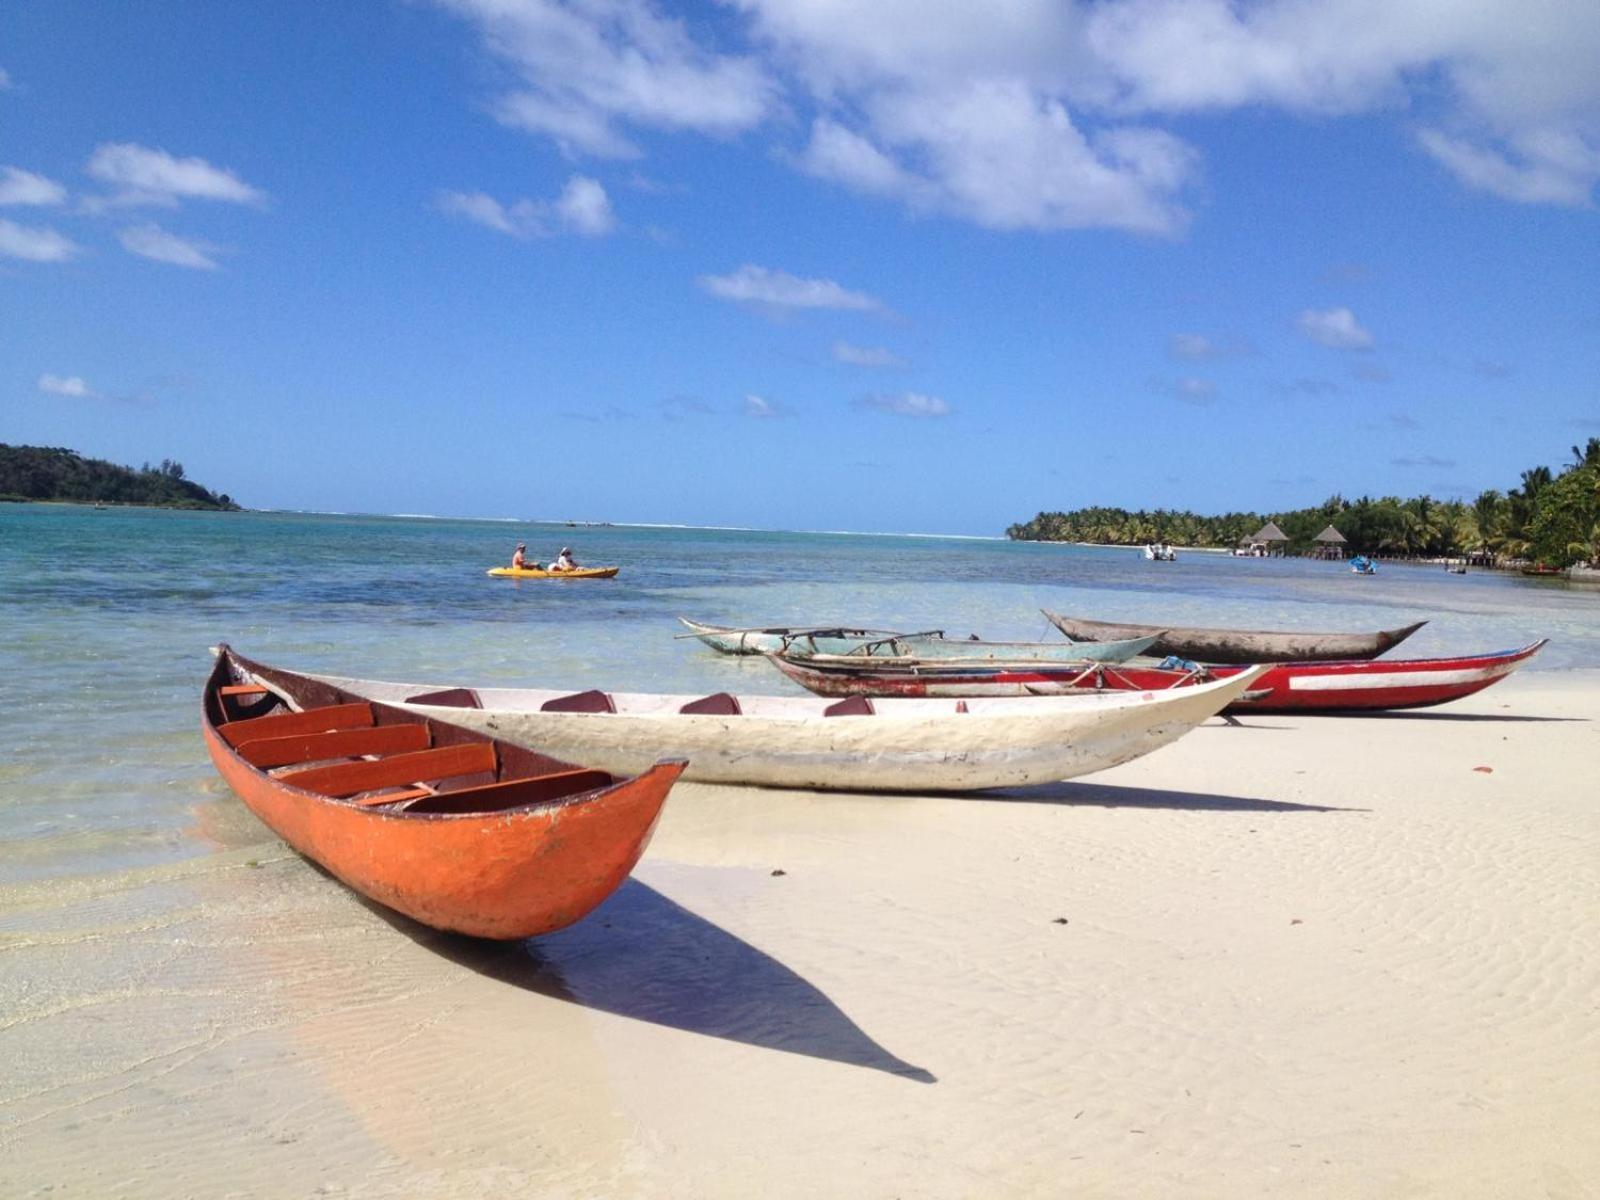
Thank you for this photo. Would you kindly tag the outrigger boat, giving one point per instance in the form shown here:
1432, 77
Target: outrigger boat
798, 741
830, 639
870, 643
447, 825
1350, 686
541, 573
1238, 645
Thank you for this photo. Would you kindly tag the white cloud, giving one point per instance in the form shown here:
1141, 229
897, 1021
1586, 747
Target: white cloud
780, 290
1551, 167
141, 175
5, 80
866, 356
1195, 391
24, 187
588, 68
762, 408
1192, 345
35, 244
153, 242
1335, 328
583, 207
71, 385
906, 404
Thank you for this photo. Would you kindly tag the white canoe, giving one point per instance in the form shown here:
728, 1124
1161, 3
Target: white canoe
826, 639
809, 742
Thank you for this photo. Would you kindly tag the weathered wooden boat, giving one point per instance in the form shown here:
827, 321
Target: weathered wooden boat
447, 825
933, 644
800, 741
541, 573
1358, 685
1238, 645
829, 639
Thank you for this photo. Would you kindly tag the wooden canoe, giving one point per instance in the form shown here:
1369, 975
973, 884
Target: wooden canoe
801, 741
828, 639
974, 650
444, 824
541, 573
877, 643
1238, 645
1352, 686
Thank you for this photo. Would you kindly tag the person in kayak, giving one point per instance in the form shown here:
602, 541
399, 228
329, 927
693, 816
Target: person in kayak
564, 561
519, 559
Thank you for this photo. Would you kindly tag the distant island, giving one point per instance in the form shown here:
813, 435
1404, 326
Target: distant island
1552, 520
53, 473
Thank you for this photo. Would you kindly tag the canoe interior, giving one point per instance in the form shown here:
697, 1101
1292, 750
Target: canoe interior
309, 735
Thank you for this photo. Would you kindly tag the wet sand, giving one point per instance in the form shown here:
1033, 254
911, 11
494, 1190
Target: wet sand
1295, 957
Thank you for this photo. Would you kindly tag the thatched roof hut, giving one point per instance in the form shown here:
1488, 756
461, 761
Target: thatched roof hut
1330, 535
1270, 533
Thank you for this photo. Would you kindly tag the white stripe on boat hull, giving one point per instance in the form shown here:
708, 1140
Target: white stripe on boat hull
1397, 679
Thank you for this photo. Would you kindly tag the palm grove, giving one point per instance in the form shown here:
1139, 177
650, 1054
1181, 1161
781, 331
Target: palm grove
1552, 518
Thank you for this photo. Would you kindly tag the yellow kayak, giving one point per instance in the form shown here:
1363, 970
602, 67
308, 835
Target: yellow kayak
541, 573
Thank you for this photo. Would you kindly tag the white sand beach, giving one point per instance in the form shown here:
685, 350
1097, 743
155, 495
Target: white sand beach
1298, 957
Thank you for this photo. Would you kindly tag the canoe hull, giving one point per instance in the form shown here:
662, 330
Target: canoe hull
893, 750
875, 643
515, 873
1351, 686
575, 573
727, 639
1239, 645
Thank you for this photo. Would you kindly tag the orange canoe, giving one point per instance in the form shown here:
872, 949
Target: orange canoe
450, 827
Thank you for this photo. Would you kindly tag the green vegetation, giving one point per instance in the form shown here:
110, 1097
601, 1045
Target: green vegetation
1551, 519
53, 473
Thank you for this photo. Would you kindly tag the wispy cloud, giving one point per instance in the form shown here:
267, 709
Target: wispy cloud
610, 413
155, 243
1316, 388
19, 187
1371, 372
69, 385
5, 80
1195, 391
762, 408
1198, 347
583, 208
1422, 460
35, 244
866, 356
766, 288
587, 72
906, 404
1543, 166
140, 175
1336, 328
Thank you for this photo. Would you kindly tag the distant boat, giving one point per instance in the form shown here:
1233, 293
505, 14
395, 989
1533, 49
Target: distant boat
1239, 645
1351, 686
1362, 565
447, 825
1160, 552
801, 741
1541, 569
541, 573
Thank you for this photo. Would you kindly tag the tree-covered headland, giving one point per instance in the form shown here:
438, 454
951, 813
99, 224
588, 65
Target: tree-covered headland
1552, 518
54, 473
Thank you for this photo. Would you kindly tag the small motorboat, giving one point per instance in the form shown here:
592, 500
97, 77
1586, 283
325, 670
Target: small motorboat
1362, 565
450, 826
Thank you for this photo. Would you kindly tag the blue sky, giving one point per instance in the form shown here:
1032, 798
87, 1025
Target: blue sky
800, 263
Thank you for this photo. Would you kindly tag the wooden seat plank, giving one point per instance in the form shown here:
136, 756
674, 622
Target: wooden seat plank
420, 766
514, 793
312, 720
341, 743
242, 689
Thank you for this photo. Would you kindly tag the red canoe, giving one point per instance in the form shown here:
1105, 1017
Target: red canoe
1353, 686
448, 826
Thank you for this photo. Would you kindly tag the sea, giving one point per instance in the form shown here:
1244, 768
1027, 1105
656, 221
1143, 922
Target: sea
106, 617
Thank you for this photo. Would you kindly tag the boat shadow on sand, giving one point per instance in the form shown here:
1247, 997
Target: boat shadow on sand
1105, 795
643, 956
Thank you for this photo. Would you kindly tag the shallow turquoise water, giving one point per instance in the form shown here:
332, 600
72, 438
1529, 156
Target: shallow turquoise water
105, 616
